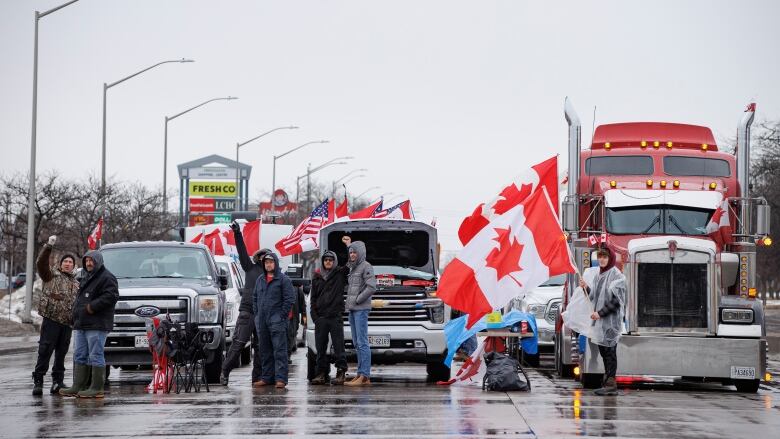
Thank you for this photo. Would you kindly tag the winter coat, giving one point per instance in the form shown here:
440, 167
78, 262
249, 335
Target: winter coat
361, 283
327, 290
253, 269
274, 300
98, 290
59, 290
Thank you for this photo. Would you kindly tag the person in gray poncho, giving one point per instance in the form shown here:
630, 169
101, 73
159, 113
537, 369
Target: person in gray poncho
607, 292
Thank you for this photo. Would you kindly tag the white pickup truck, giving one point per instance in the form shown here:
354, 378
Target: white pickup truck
407, 324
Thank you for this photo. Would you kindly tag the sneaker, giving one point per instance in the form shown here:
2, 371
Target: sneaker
320, 379
359, 381
259, 383
281, 384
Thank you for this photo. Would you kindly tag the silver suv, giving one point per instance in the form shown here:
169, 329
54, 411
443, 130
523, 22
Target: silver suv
158, 278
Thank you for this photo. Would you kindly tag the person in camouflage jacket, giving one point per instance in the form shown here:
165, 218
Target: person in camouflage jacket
58, 293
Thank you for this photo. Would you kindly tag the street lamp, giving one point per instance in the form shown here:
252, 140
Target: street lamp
365, 192
165, 148
273, 181
310, 170
239, 145
394, 197
336, 182
105, 89
26, 316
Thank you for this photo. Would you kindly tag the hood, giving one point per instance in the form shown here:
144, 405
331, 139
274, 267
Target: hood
97, 257
326, 273
258, 255
611, 259
358, 247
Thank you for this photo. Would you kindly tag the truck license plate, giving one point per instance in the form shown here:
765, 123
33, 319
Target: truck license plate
141, 341
743, 373
379, 341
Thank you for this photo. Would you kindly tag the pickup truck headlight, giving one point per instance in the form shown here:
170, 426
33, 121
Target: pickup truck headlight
735, 315
208, 309
230, 313
537, 309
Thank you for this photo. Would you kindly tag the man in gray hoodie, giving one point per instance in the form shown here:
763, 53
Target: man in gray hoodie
361, 285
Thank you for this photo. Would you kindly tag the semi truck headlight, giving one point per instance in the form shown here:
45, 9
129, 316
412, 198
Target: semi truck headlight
728, 315
208, 308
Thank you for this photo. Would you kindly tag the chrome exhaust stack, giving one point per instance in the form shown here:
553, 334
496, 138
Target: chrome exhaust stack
571, 203
743, 168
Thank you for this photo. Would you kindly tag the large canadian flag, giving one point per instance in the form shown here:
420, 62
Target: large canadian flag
513, 254
719, 227
542, 175
222, 241
96, 235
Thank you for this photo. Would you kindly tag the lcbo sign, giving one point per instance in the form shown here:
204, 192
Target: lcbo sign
212, 205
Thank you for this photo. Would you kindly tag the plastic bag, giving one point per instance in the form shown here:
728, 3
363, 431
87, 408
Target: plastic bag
502, 374
577, 314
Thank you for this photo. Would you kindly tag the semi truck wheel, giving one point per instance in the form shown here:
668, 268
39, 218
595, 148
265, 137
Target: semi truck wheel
563, 370
747, 386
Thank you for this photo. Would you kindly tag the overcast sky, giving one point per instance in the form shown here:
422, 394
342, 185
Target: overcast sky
443, 101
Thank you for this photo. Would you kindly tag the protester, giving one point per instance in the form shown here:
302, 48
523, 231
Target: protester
93, 319
608, 295
57, 296
327, 308
273, 299
245, 323
361, 285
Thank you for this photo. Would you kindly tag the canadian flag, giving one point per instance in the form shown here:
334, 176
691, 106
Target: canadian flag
223, 242
515, 253
719, 227
368, 212
96, 235
542, 175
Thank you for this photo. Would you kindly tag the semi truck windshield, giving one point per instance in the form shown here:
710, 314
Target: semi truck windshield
656, 220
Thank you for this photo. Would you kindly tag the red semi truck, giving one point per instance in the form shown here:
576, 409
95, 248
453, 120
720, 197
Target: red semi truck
692, 309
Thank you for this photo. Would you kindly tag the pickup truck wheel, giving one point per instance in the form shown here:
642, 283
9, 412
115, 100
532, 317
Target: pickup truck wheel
747, 386
214, 368
437, 371
311, 364
246, 355
591, 380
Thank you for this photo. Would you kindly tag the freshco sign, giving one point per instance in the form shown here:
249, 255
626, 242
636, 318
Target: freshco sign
212, 189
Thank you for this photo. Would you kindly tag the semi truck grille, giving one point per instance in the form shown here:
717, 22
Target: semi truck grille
672, 295
126, 320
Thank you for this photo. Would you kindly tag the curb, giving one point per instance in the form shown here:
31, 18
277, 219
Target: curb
17, 350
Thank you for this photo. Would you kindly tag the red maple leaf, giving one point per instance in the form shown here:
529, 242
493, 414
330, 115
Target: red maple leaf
511, 198
505, 258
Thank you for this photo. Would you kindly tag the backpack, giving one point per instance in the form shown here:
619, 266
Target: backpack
503, 374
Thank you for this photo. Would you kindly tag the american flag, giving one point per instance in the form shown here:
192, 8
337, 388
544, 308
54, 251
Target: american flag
304, 237
401, 210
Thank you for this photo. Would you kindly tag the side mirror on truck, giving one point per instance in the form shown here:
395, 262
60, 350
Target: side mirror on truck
763, 219
223, 279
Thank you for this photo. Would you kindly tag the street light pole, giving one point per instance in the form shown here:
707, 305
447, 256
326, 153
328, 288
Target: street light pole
273, 181
336, 182
26, 315
309, 171
238, 171
165, 148
366, 191
105, 90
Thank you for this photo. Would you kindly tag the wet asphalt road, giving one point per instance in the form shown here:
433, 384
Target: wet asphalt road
399, 404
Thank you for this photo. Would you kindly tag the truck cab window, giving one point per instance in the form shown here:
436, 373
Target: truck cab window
619, 165
696, 167
654, 220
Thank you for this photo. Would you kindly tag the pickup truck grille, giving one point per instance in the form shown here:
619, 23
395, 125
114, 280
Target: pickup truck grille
672, 295
404, 306
552, 311
125, 319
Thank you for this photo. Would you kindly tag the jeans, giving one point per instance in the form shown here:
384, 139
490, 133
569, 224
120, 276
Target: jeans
609, 355
333, 327
245, 331
272, 334
89, 346
55, 339
358, 324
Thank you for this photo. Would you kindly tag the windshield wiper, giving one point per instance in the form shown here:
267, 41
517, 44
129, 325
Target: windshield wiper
656, 220
676, 224
160, 277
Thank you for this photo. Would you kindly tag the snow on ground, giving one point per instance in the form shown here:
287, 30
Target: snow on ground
17, 305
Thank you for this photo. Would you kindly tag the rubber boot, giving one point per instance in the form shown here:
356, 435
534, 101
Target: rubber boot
37, 385
80, 377
341, 376
98, 381
609, 389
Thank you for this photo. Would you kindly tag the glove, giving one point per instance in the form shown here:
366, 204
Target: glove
235, 226
52, 239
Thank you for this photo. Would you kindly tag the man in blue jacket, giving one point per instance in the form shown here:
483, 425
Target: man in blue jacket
273, 300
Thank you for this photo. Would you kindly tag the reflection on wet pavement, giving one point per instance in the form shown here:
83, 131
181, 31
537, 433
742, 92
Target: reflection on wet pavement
399, 404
